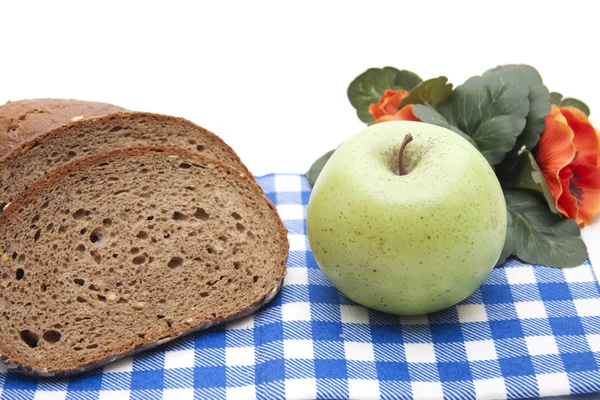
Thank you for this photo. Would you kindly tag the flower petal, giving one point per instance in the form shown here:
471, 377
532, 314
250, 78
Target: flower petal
585, 187
555, 151
567, 203
388, 103
405, 114
585, 140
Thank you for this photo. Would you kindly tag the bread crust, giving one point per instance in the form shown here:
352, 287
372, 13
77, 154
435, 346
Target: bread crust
22, 150
22, 120
22, 366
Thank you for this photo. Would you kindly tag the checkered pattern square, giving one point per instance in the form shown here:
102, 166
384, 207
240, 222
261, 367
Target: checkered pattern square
528, 331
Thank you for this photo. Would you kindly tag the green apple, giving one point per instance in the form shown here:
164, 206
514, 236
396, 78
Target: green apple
406, 227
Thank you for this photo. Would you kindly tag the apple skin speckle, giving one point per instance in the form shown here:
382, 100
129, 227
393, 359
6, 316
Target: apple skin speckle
427, 239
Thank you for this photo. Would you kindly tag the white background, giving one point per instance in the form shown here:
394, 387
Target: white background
271, 77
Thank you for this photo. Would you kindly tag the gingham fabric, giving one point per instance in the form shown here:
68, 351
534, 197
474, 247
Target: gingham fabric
528, 331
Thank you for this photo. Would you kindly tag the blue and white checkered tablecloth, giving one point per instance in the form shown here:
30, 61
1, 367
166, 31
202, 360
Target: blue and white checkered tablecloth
528, 331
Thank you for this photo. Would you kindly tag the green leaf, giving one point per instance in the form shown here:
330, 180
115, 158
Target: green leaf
491, 109
433, 91
509, 242
539, 101
570, 102
429, 115
315, 169
538, 236
555, 98
523, 172
369, 86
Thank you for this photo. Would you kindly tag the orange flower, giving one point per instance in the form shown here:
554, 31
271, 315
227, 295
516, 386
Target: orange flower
386, 108
569, 156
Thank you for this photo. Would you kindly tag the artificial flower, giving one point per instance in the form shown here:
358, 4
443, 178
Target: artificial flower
568, 154
386, 108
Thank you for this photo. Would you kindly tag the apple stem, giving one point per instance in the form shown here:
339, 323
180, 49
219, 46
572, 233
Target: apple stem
401, 168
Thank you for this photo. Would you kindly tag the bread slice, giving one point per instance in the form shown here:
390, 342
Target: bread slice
78, 139
120, 252
22, 120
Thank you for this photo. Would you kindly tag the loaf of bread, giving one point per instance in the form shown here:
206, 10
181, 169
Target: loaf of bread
34, 159
22, 120
119, 252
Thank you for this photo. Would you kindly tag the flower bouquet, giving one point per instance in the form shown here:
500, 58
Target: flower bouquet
543, 148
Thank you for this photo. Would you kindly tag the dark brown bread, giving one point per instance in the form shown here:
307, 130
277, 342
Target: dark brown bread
119, 252
22, 120
48, 151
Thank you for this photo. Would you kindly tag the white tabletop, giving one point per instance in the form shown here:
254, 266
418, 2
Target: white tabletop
271, 77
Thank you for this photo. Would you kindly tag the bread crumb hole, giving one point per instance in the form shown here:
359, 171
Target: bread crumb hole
92, 346
236, 216
237, 265
79, 281
71, 155
177, 216
139, 260
204, 294
134, 250
43, 287
81, 299
201, 214
97, 257
78, 214
62, 229
240, 227
21, 259
96, 235
142, 235
250, 235
175, 262
52, 336
141, 335
185, 166
20, 274
255, 278
83, 231
107, 222
36, 237
30, 338
81, 248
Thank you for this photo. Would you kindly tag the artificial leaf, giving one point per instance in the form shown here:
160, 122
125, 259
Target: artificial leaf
570, 102
491, 109
429, 115
539, 236
432, 91
315, 169
555, 98
539, 101
369, 86
523, 172
509, 242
